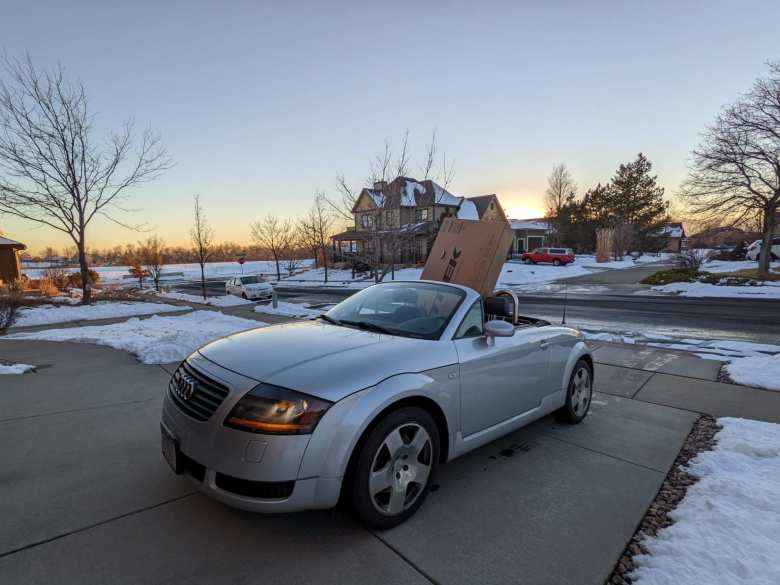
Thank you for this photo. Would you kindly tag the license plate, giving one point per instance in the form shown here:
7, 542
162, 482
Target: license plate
170, 449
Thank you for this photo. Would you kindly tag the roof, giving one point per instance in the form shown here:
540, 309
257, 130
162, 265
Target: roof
468, 210
406, 230
12, 243
530, 224
482, 202
408, 192
671, 230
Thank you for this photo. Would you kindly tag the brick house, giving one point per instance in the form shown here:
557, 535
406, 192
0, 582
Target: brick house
9, 259
401, 218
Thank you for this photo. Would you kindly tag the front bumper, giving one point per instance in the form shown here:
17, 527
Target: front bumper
260, 294
244, 470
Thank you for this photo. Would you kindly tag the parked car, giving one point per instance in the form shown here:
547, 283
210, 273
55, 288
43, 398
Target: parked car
556, 256
362, 405
754, 249
249, 287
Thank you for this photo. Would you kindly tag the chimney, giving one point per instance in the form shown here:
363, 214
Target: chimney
380, 185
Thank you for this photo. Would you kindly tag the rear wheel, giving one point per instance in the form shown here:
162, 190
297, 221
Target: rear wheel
243, 295
578, 394
526, 261
556, 262
394, 467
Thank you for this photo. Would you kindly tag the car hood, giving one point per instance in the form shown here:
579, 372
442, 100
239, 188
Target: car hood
322, 359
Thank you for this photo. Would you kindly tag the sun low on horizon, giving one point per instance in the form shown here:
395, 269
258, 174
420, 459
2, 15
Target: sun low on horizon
523, 212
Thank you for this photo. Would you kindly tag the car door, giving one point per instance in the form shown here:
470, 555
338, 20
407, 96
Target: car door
500, 377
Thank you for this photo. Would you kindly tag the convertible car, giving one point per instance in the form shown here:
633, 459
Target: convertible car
362, 405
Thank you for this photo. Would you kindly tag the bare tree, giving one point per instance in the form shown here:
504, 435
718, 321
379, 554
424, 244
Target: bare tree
152, 253
315, 229
561, 190
53, 171
274, 236
735, 172
202, 237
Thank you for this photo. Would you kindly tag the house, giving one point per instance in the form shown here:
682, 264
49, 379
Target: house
719, 236
529, 234
673, 237
9, 260
400, 219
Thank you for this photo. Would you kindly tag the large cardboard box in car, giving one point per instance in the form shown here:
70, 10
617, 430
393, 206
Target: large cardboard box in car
470, 253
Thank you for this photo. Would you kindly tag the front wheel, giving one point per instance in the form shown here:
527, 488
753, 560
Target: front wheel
394, 467
556, 262
578, 394
526, 260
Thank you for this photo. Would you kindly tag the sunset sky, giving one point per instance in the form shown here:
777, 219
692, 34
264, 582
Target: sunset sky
262, 104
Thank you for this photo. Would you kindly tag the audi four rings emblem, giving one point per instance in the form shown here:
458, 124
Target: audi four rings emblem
184, 385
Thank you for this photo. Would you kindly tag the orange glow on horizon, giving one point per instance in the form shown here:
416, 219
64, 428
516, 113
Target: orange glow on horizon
523, 212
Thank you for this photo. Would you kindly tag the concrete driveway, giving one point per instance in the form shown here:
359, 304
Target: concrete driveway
87, 497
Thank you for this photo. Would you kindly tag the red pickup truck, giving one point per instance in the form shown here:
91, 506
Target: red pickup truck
556, 256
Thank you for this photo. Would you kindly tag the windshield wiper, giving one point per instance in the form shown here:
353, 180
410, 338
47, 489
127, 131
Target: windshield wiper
367, 326
330, 319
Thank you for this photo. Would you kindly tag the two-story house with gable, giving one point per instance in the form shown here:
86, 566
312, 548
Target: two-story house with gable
400, 219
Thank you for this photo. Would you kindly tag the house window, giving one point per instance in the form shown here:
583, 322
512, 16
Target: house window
367, 221
421, 214
388, 217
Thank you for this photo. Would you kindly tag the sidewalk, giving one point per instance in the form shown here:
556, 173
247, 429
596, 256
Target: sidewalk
679, 380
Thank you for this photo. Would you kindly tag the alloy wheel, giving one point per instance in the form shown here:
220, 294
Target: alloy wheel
400, 469
581, 391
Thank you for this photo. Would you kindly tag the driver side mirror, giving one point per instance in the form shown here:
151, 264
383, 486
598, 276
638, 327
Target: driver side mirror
499, 328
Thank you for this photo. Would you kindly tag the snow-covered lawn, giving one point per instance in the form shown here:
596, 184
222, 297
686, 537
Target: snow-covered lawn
15, 368
156, 340
48, 314
224, 301
727, 528
769, 290
720, 266
120, 274
761, 371
296, 310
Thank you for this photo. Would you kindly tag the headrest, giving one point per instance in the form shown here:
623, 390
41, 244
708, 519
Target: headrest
498, 306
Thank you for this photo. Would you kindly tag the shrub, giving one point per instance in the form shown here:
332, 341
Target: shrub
693, 259
673, 275
74, 279
10, 301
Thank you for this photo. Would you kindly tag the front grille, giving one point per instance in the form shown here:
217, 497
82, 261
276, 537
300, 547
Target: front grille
267, 490
205, 397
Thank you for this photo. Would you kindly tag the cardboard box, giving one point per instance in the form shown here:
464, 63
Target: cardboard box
470, 253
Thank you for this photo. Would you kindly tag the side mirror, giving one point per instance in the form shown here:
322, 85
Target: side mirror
498, 328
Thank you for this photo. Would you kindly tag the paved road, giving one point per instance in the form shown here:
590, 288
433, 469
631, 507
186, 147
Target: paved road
613, 300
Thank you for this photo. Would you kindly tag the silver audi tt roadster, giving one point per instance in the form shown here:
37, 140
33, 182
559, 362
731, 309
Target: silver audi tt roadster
362, 405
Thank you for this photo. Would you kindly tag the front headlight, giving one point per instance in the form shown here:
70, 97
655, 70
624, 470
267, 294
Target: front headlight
273, 410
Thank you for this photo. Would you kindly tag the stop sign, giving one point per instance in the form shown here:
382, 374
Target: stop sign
241, 260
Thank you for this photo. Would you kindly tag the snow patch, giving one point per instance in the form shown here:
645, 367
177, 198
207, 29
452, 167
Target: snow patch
296, 310
726, 530
769, 290
468, 210
157, 340
15, 368
225, 301
759, 371
48, 314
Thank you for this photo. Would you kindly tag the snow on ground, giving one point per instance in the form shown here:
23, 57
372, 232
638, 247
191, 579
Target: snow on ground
47, 314
15, 368
719, 266
156, 340
120, 274
223, 301
727, 528
769, 290
297, 310
759, 371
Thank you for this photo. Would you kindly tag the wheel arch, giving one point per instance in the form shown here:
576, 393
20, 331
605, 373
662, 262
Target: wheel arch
420, 401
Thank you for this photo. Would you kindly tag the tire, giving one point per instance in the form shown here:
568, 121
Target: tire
527, 261
578, 399
395, 454
243, 296
556, 262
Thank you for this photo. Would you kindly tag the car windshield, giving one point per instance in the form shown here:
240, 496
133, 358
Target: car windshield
408, 309
250, 280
